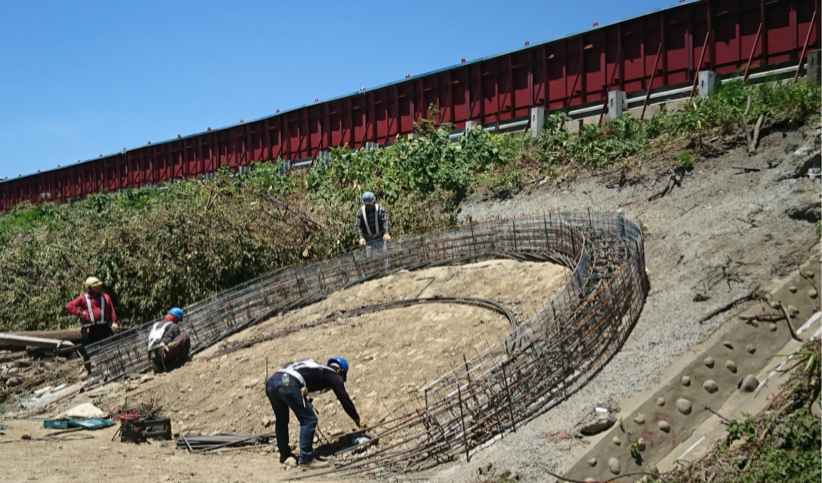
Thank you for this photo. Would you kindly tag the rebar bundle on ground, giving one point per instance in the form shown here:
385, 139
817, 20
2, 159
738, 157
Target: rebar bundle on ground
204, 444
538, 364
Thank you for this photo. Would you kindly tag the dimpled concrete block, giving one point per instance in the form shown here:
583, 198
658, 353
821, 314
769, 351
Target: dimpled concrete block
665, 428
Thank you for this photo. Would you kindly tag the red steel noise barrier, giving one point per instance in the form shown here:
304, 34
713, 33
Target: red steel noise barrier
557, 74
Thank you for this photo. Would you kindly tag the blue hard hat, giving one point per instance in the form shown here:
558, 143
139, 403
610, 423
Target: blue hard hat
341, 363
177, 313
368, 198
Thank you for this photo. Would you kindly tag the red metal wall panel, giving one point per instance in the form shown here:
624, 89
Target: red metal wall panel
555, 75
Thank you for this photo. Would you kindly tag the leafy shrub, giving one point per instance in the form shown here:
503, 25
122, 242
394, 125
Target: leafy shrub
159, 248
686, 160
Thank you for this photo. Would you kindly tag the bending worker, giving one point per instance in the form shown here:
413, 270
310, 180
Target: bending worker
167, 344
372, 222
289, 388
96, 313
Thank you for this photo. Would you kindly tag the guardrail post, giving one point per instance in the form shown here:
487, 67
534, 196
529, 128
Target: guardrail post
814, 66
616, 103
706, 82
470, 125
537, 121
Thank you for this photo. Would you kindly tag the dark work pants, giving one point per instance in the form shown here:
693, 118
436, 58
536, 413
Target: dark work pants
176, 356
178, 348
91, 335
282, 397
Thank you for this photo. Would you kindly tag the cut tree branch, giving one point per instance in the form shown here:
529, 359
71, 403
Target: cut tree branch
755, 140
672, 181
745, 123
729, 305
788, 321
752, 138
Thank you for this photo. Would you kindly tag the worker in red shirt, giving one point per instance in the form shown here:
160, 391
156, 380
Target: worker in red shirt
96, 313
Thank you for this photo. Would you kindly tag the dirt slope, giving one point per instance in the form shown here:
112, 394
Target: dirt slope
721, 233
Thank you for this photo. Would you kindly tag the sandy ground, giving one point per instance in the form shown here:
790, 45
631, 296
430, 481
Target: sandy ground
392, 354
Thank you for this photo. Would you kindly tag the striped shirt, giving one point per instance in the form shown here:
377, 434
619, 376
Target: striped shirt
373, 223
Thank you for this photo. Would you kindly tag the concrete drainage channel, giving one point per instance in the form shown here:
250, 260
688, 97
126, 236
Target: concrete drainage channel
668, 418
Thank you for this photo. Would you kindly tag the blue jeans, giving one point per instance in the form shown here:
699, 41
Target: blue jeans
284, 394
376, 242
374, 248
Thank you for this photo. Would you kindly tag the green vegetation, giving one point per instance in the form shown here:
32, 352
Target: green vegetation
159, 248
176, 244
686, 161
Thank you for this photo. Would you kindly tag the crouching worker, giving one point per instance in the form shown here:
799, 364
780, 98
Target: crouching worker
289, 388
167, 344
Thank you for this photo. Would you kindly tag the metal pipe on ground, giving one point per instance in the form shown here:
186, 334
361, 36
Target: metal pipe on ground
14, 340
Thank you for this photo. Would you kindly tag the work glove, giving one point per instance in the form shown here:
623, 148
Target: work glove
304, 391
361, 423
115, 327
362, 242
165, 349
386, 237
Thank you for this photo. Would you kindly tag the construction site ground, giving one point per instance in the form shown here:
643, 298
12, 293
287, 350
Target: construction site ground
721, 232
392, 354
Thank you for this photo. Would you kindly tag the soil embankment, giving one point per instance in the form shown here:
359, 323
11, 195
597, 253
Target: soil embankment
718, 234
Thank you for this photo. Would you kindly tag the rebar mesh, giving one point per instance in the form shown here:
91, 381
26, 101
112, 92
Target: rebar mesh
548, 357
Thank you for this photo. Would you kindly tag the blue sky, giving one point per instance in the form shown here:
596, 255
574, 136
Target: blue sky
82, 78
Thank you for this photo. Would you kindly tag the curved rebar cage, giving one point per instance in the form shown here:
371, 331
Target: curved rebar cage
538, 364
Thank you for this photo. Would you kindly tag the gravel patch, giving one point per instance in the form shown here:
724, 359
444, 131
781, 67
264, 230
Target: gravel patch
715, 237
